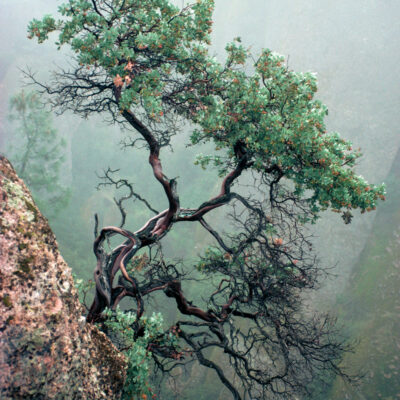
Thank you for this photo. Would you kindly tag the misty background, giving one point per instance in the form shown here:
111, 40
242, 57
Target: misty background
354, 49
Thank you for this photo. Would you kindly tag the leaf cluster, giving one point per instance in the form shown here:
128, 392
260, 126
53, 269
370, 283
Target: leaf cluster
120, 326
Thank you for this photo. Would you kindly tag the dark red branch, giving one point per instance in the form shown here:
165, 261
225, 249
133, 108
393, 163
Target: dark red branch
163, 224
174, 290
226, 307
107, 268
224, 196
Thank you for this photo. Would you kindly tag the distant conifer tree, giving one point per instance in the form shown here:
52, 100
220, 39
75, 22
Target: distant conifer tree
38, 152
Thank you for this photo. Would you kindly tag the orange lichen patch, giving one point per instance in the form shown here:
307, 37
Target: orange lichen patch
46, 348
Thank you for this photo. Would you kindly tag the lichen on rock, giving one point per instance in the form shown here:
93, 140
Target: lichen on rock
47, 351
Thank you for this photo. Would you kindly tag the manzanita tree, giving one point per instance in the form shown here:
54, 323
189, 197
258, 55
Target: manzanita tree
145, 65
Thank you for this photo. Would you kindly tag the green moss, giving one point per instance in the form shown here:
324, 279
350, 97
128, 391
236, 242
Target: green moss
21, 229
17, 199
29, 341
6, 301
24, 270
24, 264
32, 208
22, 246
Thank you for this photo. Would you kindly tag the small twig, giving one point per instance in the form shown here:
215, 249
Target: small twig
96, 225
216, 235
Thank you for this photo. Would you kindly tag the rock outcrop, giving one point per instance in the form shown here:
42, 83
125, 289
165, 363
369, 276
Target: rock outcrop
47, 351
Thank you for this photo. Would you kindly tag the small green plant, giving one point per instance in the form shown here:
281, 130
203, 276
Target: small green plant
121, 328
83, 287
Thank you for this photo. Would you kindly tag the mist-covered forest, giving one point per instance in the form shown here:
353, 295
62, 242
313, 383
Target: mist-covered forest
353, 48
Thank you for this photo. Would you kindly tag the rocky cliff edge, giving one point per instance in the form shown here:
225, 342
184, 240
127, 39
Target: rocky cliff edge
47, 351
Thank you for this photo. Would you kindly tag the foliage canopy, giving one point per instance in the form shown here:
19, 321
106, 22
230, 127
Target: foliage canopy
145, 64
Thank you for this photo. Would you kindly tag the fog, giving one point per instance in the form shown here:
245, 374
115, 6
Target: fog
354, 49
